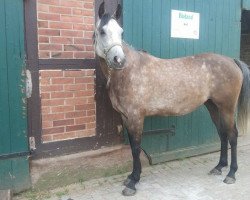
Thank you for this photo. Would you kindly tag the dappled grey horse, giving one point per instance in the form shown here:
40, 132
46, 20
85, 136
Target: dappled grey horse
142, 85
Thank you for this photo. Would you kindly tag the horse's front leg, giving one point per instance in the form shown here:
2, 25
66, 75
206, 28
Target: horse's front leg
134, 135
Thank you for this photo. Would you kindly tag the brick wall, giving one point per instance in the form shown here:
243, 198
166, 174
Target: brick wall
68, 104
65, 28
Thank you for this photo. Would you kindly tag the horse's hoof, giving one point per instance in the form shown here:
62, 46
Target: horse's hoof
229, 180
126, 182
128, 192
215, 171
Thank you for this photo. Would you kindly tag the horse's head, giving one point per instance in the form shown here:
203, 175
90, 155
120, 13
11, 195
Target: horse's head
108, 38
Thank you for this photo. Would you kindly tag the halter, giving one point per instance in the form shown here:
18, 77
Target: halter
107, 50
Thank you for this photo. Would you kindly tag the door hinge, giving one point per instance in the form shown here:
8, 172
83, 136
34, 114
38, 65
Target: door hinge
32, 143
28, 84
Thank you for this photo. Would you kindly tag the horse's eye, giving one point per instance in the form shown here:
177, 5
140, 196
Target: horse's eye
102, 32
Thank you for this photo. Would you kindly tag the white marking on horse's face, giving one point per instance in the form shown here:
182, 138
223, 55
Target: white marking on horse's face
109, 38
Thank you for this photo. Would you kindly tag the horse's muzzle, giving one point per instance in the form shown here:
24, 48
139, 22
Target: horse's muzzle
118, 63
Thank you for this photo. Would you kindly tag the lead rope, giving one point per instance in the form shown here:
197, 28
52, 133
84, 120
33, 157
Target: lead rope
109, 77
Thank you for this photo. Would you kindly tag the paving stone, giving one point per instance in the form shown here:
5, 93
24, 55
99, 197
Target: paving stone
177, 180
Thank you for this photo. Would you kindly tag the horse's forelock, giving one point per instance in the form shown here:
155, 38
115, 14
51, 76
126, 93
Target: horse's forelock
104, 20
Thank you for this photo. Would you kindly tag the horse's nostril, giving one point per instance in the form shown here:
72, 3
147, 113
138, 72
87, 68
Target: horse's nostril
116, 59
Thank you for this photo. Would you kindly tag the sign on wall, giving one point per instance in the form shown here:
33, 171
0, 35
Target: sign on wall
185, 24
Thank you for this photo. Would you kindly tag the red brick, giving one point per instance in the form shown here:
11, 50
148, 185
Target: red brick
90, 106
62, 80
73, 19
91, 125
61, 40
49, 117
71, 33
47, 124
52, 47
45, 95
85, 133
49, 2
43, 24
60, 54
75, 101
60, 10
88, 34
45, 110
83, 41
91, 99
84, 55
83, 93
75, 73
50, 73
49, 32
89, 20
68, 3
63, 122
44, 54
75, 115
74, 87
75, 127
73, 47
84, 120
43, 39
64, 136
48, 131
90, 72
60, 25
52, 102
85, 79
91, 112
44, 81
51, 88
62, 109
90, 86
43, 8
48, 16
83, 12
60, 95
84, 27
88, 5
47, 138
89, 48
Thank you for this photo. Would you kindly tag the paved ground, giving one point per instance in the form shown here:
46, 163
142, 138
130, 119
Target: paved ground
178, 180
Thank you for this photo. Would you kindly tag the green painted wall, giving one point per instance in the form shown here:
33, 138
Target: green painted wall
246, 4
147, 26
14, 173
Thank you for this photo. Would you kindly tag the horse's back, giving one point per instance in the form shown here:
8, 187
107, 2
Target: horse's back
177, 86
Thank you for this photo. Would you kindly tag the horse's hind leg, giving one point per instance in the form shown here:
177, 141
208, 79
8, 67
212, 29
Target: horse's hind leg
232, 134
215, 116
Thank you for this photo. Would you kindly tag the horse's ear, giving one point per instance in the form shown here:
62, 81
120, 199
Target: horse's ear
101, 10
118, 12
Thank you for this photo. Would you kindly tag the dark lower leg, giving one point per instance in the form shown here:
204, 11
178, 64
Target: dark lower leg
223, 154
134, 177
233, 166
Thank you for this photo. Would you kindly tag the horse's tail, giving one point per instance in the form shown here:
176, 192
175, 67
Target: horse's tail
244, 98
